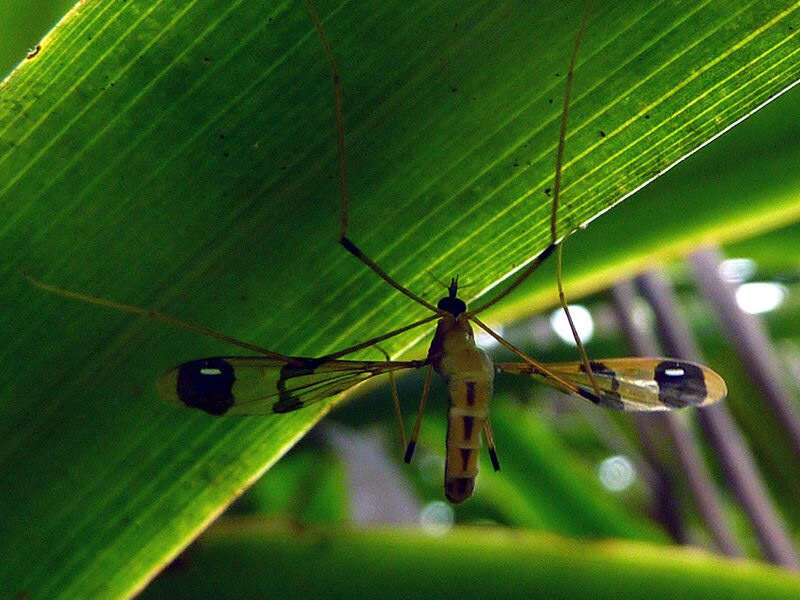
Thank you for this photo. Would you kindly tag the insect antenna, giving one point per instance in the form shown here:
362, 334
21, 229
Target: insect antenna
436, 279
345, 241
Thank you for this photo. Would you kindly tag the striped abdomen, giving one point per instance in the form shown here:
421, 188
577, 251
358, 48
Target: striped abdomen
468, 373
469, 408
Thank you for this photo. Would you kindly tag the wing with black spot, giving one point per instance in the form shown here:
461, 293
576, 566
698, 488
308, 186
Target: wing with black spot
235, 385
635, 384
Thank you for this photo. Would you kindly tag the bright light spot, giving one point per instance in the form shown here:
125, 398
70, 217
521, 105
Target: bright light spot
616, 473
737, 270
583, 323
760, 297
641, 314
210, 371
675, 372
436, 518
486, 341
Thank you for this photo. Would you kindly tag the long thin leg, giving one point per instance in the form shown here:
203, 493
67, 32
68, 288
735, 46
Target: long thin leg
207, 331
412, 442
337, 92
356, 251
540, 368
562, 136
378, 339
343, 186
398, 413
524, 274
528, 271
554, 211
156, 316
563, 299
487, 430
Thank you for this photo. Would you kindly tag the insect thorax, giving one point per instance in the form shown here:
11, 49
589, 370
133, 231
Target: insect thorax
453, 352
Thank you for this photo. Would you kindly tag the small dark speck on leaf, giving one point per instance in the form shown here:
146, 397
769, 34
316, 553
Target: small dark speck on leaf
516, 164
206, 59
34, 52
602, 133
453, 89
549, 100
647, 116
546, 191
222, 136
226, 154
558, 74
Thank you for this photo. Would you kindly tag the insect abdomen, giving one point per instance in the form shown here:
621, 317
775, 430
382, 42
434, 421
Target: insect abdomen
469, 405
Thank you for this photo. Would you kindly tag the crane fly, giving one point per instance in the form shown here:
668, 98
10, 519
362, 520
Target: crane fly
273, 383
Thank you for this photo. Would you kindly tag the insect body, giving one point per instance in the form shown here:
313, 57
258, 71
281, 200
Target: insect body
468, 373
239, 385
279, 384
276, 383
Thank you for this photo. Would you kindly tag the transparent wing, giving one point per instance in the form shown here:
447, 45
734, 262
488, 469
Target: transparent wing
636, 384
234, 385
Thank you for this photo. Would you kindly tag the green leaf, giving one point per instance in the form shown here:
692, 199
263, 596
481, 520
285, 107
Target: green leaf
245, 559
23, 29
182, 157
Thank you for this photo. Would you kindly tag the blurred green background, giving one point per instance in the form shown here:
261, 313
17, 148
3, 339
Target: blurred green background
168, 174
